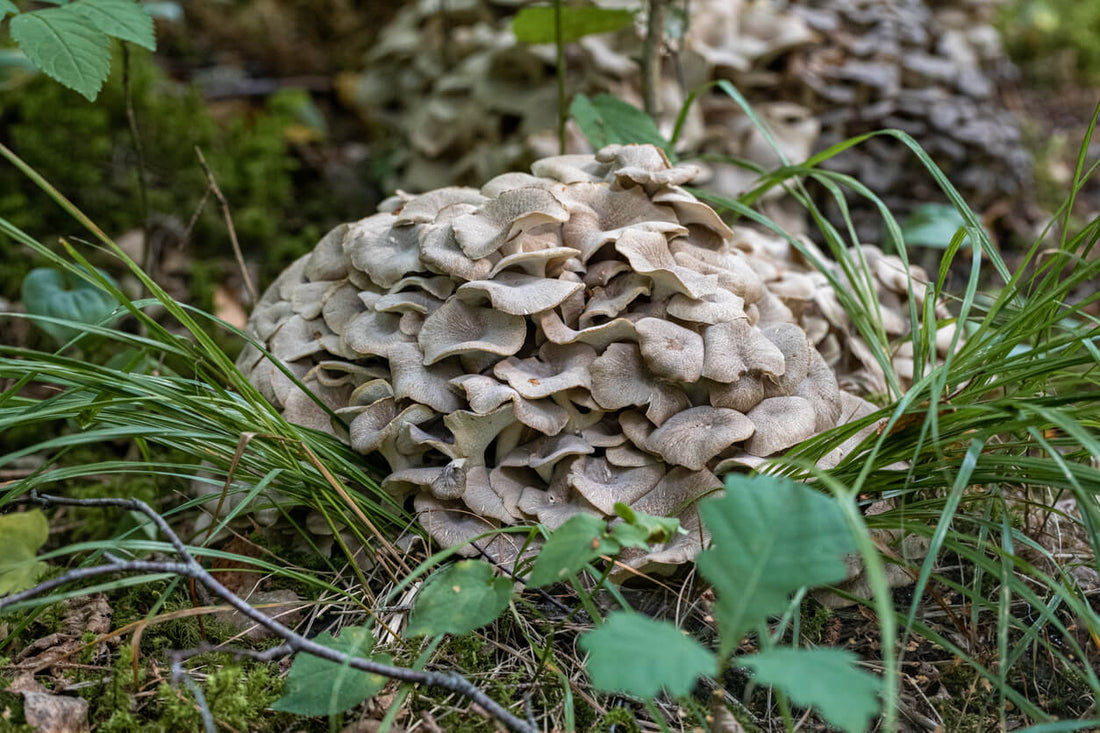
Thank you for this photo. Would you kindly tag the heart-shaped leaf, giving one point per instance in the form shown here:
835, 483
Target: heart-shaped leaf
637, 655
460, 598
771, 537
317, 686
62, 294
23, 533
826, 679
538, 24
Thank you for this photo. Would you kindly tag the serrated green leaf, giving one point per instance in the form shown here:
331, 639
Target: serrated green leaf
122, 19
606, 120
771, 536
826, 679
317, 686
637, 655
7, 7
63, 44
23, 533
537, 25
573, 545
61, 294
460, 598
932, 225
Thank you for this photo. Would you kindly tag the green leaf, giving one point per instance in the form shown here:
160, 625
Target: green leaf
62, 43
123, 19
572, 546
771, 536
23, 533
932, 225
643, 527
637, 655
7, 7
537, 25
317, 686
62, 294
605, 120
826, 679
460, 598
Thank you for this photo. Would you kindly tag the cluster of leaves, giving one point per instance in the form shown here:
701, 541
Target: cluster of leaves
772, 537
72, 42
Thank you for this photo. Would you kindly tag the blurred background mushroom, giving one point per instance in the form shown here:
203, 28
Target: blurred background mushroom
459, 100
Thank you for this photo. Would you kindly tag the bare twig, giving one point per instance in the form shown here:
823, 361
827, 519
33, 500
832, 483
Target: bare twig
191, 568
149, 255
651, 56
228, 225
559, 43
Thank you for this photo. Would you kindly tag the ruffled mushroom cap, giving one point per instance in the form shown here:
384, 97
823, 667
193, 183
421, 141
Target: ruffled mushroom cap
552, 344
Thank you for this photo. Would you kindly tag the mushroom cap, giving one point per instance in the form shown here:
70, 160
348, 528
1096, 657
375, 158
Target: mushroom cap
556, 343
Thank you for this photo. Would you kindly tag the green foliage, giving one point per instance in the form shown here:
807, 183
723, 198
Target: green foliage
573, 545
62, 294
23, 533
607, 120
1036, 30
237, 697
772, 536
640, 530
932, 225
71, 43
538, 24
317, 686
637, 655
249, 154
826, 679
458, 599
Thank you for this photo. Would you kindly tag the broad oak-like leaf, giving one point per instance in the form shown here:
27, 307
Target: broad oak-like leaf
640, 656
123, 19
62, 43
573, 545
771, 536
23, 533
826, 679
317, 686
460, 598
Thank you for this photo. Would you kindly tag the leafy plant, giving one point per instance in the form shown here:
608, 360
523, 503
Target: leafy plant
538, 24
23, 533
607, 120
458, 599
772, 536
319, 687
60, 296
71, 43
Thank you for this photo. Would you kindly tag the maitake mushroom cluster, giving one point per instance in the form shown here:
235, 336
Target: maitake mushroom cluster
467, 102
554, 343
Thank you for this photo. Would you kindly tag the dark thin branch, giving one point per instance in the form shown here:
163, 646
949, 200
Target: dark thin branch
150, 256
228, 224
192, 569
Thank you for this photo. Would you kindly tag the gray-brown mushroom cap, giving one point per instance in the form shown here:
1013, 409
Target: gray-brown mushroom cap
550, 346
693, 437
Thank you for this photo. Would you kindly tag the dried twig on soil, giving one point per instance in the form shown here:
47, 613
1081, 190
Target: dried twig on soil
191, 568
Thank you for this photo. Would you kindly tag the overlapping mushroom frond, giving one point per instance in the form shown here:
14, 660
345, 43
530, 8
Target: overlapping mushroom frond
557, 342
